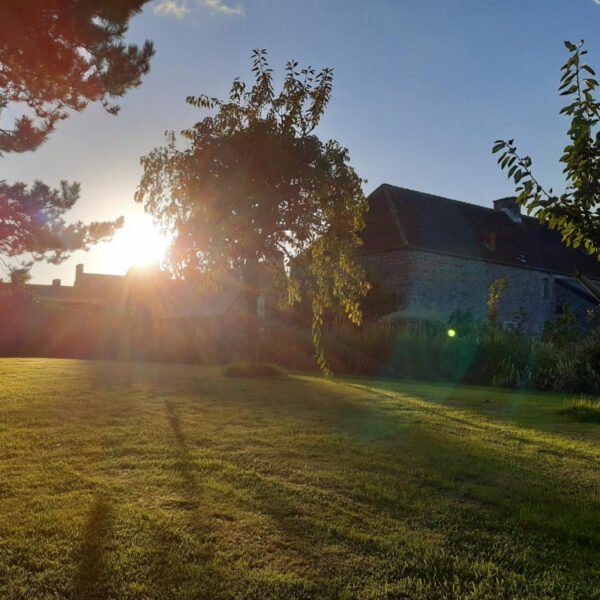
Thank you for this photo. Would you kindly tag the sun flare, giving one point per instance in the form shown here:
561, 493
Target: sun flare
139, 243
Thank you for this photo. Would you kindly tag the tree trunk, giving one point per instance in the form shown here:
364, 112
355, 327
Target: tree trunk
251, 281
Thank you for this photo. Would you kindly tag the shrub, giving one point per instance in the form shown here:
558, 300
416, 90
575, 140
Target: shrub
480, 353
563, 328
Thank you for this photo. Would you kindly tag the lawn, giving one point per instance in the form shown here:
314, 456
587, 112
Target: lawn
122, 480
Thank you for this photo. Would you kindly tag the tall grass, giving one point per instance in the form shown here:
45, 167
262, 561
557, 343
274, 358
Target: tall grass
582, 409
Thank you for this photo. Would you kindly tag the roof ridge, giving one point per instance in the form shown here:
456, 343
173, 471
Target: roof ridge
446, 199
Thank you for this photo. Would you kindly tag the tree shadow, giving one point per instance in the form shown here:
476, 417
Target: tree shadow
92, 577
467, 464
175, 423
191, 490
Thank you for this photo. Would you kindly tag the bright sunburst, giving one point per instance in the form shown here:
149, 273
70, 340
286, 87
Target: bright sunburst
139, 243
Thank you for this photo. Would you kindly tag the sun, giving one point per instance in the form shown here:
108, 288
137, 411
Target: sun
138, 243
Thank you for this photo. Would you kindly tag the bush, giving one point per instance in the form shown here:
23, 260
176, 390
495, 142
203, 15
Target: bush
480, 353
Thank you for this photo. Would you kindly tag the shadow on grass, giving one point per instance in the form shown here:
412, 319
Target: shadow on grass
92, 577
433, 472
175, 423
457, 464
190, 487
177, 566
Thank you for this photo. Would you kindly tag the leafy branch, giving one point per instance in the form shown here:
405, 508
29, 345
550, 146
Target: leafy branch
574, 212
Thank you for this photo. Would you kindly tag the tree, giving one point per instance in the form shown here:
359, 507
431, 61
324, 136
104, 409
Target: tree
574, 213
32, 227
252, 184
57, 56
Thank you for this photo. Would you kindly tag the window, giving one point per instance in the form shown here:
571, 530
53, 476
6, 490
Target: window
546, 288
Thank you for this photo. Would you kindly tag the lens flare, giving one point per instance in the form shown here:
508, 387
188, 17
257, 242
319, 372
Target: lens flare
139, 243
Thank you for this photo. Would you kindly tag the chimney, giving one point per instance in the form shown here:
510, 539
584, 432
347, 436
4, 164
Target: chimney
56, 283
509, 207
78, 272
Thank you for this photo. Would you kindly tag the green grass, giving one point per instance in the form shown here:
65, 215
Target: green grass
253, 370
125, 480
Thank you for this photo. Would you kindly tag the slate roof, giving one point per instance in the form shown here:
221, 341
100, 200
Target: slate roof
401, 218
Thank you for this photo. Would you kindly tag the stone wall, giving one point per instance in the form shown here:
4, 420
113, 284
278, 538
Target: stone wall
435, 286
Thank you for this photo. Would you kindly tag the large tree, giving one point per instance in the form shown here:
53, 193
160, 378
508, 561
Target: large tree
252, 188
574, 212
56, 57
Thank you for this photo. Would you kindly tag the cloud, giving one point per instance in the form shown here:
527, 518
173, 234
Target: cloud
181, 8
220, 6
171, 8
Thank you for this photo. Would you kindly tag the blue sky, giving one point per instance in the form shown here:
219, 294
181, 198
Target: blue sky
422, 89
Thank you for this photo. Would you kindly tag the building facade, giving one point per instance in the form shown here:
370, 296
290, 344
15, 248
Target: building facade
438, 257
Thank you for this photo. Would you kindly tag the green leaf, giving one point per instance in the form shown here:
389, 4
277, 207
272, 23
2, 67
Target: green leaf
589, 70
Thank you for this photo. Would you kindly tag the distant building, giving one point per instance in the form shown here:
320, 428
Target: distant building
142, 292
438, 256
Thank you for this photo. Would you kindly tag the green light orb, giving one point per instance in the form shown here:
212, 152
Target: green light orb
451, 333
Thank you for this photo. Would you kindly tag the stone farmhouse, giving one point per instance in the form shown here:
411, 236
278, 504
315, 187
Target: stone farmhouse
437, 256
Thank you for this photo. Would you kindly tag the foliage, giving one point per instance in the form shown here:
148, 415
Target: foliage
57, 57
32, 227
495, 293
564, 327
481, 353
464, 322
572, 213
61, 56
254, 189
582, 409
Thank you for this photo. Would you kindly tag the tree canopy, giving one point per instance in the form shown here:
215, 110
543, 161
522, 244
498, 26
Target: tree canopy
32, 225
252, 188
574, 212
57, 56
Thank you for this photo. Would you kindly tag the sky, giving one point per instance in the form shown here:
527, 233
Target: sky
422, 89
